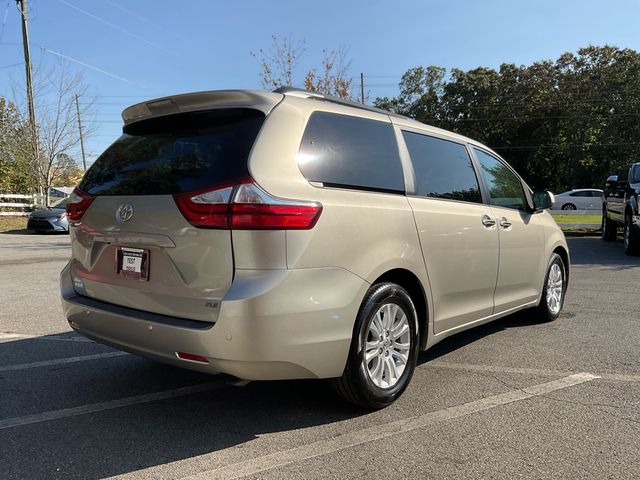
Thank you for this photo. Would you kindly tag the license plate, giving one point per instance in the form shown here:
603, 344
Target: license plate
132, 263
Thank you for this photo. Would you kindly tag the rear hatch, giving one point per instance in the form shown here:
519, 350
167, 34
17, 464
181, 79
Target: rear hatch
131, 244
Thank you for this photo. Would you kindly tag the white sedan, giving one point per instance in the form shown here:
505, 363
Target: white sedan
579, 199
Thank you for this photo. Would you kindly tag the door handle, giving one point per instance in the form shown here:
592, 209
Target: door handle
488, 222
504, 223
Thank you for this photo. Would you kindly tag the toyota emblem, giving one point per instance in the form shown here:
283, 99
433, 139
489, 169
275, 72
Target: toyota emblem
124, 212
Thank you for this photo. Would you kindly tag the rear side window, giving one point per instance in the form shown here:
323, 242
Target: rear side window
443, 169
340, 150
176, 154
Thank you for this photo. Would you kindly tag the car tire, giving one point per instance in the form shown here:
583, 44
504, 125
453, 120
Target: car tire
568, 206
384, 348
553, 292
631, 237
609, 228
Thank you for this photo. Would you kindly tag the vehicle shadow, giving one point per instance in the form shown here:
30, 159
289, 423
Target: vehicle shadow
459, 340
593, 251
122, 440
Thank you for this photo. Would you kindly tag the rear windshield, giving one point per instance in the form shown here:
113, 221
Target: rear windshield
176, 154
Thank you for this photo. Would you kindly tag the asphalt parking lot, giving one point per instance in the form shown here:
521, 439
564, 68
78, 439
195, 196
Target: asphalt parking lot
511, 399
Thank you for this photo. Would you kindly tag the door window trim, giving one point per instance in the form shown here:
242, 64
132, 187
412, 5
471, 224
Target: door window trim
410, 173
357, 188
485, 187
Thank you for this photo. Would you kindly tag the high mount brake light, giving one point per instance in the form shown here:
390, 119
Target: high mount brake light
245, 206
78, 204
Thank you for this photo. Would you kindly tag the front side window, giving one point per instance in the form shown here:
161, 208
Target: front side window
443, 169
345, 151
505, 188
635, 174
623, 175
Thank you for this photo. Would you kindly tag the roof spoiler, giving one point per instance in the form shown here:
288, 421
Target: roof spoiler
191, 102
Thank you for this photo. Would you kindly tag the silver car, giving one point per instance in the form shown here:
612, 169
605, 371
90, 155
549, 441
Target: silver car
580, 199
280, 235
52, 219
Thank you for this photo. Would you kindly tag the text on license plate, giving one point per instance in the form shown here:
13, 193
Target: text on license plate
132, 262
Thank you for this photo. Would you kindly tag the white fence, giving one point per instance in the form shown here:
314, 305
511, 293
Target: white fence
16, 205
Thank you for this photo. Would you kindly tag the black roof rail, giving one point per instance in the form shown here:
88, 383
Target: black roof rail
339, 101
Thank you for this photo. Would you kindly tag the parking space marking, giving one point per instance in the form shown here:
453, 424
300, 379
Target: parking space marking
60, 361
109, 405
469, 367
10, 337
327, 446
5, 336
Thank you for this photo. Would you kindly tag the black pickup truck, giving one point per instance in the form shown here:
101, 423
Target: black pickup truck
620, 207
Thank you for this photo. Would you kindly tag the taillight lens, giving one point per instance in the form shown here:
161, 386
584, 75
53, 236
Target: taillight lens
206, 208
246, 206
77, 204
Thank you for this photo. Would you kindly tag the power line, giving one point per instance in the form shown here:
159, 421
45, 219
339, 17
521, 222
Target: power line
79, 62
12, 65
4, 20
139, 17
106, 22
565, 145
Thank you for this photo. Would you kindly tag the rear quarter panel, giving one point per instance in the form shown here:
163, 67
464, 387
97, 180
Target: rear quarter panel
367, 233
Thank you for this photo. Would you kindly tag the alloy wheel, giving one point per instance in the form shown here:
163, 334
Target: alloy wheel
555, 289
387, 346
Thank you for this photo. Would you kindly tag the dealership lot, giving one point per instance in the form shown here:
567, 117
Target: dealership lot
513, 398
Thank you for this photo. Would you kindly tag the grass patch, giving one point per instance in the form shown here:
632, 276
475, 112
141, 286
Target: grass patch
8, 224
595, 219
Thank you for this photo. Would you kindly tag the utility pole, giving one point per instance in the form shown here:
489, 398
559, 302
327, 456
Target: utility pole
27, 63
362, 88
84, 161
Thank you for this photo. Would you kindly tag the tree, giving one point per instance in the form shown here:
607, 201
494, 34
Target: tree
562, 124
57, 126
279, 62
16, 174
333, 78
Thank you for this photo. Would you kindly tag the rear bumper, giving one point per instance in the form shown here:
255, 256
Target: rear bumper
273, 324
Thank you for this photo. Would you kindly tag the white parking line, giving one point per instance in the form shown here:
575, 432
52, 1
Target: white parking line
110, 405
282, 458
468, 367
10, 337
60, 361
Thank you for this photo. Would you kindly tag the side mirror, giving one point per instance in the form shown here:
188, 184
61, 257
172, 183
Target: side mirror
611, 179
543, 200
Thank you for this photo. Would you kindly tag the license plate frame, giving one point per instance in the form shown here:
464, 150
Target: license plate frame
133, 263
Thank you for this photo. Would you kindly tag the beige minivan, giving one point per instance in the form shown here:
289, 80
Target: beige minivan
282, 235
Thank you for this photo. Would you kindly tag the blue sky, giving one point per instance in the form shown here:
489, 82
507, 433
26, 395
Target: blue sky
161, 47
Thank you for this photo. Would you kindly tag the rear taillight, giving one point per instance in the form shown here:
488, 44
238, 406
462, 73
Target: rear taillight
246, 206
77, 204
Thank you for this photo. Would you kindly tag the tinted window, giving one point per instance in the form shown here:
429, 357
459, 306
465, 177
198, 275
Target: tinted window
581, 194
60, 203
175, 154
443, 169
623, 175
339, 150
505, 188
